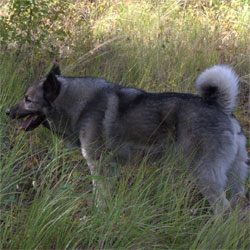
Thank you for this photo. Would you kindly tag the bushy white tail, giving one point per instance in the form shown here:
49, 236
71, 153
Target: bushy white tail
219, 85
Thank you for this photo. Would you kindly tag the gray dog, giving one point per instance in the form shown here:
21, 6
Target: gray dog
100, 116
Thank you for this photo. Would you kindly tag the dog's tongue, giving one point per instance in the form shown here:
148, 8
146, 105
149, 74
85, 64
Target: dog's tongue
26, 123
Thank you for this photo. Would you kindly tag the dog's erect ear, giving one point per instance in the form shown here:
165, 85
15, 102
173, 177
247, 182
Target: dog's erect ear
51, 87
55, 69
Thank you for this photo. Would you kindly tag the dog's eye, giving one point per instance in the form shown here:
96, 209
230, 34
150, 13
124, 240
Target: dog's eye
27, 99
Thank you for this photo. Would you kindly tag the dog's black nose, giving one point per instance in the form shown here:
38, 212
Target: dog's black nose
7, 111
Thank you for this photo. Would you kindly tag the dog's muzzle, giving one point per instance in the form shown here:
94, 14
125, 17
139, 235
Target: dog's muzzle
32, 120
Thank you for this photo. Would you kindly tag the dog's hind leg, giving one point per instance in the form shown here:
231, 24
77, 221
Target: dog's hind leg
214, 160
211, 185
238, 172
211, 176
236, 181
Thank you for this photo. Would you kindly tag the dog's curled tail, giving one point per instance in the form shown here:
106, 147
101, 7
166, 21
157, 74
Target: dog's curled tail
219, 85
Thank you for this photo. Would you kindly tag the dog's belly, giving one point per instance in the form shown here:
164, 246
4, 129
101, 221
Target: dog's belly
127, 152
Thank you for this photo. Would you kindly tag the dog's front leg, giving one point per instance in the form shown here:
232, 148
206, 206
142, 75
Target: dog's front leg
101, 187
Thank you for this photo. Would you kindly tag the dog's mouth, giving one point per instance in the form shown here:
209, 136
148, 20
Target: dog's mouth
32, 122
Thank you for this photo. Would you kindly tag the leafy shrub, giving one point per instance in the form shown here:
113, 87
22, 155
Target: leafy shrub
32, 23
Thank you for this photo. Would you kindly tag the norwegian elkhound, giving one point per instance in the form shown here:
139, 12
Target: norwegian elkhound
99, 116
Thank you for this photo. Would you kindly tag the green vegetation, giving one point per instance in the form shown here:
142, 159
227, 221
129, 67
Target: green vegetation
46, 193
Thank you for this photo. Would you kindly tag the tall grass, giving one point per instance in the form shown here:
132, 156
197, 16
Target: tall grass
46, 191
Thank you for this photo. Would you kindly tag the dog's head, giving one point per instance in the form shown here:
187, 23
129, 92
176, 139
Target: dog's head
38, 100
